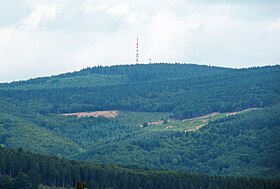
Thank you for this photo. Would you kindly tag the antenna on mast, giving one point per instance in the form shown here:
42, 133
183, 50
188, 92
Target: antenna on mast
137, 52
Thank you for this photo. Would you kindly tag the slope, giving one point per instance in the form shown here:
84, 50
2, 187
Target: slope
149, 93
246, 144
15, 132
28, 170
201, 91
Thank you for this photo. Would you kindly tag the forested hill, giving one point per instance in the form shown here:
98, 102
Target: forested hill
102, 75
25, 170
186, 90
183, 117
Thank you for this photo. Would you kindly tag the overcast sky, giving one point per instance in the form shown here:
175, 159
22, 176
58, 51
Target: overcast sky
47, 37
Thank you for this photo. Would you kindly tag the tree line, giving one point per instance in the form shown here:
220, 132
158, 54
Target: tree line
26, 170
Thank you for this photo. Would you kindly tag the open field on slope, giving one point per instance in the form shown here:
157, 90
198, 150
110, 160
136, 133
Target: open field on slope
139, 118
187, 125
156, 121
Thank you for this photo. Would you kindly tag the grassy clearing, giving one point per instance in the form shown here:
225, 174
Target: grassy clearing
185, 125
158, 121
161, 122
139, 118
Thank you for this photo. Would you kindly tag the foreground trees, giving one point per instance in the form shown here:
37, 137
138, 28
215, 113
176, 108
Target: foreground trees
29, 170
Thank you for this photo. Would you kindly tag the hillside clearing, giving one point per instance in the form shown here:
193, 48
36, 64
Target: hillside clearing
188, 125
157, 121
107, 114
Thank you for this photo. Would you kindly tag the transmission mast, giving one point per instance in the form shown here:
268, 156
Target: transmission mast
137, 52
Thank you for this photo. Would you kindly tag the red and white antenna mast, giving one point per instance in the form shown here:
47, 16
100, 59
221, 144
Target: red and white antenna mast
137, 52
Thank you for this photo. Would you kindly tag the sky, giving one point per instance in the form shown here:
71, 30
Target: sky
48, 37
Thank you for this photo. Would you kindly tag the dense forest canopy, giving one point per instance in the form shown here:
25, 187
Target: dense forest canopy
180, 117
185, 90
25, 170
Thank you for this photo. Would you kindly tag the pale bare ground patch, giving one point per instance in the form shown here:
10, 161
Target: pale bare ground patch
234, 113
213, 114
107, 114
196, 128
169, 127
156, 123
201, 117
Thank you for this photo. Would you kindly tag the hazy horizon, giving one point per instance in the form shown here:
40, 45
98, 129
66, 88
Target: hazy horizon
48, 37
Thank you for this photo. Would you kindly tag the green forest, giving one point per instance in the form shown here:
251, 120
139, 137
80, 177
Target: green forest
174, 126
26, 170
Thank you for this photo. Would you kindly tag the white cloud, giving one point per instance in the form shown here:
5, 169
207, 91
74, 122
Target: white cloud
121, 10
41, 13
273, 25
32, 54
60, 36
